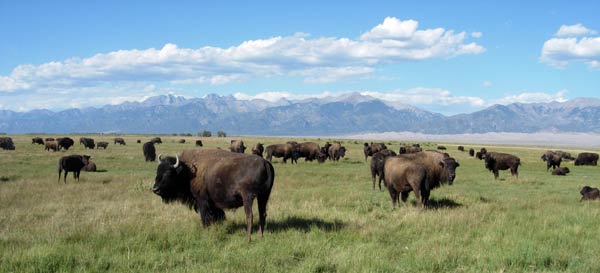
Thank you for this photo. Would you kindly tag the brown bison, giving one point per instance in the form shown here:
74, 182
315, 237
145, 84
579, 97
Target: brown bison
237, 146
212, 180
258, 149
586, 159
156, 140
500, 161
552, 159
37, 140
461, 148
561, 171
369, 150
285, 151
181, 141
51, 145
199, 143
377, 161
50, 139
6, 143
64, 142
72, 163
89, 166
102, 144
441, 147
119, 140
479, 155
336, 151
565, 155
420, 173
311, 151
471, 152
138, 141
409, 150
88, 143
149, 151
589, 193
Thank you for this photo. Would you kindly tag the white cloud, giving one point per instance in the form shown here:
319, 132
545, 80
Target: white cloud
559, 52
573, 30
318, 60
532, 97
422, 96
487, 84
476, 34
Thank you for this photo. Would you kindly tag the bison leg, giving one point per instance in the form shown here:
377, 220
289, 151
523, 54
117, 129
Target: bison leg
204, 209
65, 177
405, 196
495, 174
514, 172
262, 212
394, 196
248, 200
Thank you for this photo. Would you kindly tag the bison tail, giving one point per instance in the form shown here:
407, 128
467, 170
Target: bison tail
270, 174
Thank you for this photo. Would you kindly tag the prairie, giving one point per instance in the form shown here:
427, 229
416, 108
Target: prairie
321, 217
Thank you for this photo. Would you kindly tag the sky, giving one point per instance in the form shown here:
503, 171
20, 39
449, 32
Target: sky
448, 57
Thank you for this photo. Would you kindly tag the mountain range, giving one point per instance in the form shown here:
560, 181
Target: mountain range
335, 115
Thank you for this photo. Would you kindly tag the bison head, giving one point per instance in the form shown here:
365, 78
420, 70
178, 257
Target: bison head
172, 182
342, 152
449, 166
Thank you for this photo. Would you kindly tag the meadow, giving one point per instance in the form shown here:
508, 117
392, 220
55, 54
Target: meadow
321, 217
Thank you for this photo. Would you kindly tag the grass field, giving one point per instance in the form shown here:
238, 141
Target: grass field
321, 218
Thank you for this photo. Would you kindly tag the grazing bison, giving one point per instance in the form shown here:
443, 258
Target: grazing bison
51, 145
89, 167
441, 147
138, 141
420, 173
149, 151
311, 151
237, 146
181, 141
336, 151
589, 193
561, 171
65, 142
565, 155
156, 140
369, 150
377, 161
479, 155
102, 144
50, 139
119, 140
37, 140
199, 143
6, 143
212, 180
409, 150
87, 142
471, 152
461, 148
285, 151
258, 149
500, 161
586, 159
552, 159
72, 163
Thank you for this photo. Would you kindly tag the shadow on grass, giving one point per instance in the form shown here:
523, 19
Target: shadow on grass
443, 203
292, 223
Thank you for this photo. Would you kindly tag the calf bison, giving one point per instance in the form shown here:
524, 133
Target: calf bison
586, 159
561, 171
72, 163
258, 149
552, 159
119, 140
419, 173
212, 180
237, 146
51, 145
65, 142
500, 161
589, 193
199, 143
37, 140
369, 150
6, 143
89, 166
377, 161
285, 151
149, 151
102, 144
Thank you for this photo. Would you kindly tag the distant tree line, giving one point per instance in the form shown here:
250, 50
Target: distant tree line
207, 133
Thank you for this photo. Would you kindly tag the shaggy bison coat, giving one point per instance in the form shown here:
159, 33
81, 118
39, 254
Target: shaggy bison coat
6, 143
119, 140
500, 161
72, 163
285, 151
51, 145
89, 167
369, 150
586, 159
211, 180
237, 146
561, 171
409, 150
101, 144
552, 160
311, 151
335, 151
65, 142
37, 140
377, 161
258, 149
589, 193
88, 143
149, 151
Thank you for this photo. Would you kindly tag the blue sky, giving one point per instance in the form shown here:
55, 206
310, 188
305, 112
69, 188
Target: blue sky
444, 56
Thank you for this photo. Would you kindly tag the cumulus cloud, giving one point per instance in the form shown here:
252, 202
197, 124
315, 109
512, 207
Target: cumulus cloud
532, 97
422, 96
317, 60
476, 34
559, 52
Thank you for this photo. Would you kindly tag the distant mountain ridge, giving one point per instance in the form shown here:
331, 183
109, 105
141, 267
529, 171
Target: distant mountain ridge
335, 115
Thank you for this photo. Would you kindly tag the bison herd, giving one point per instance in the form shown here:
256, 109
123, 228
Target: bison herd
212, 180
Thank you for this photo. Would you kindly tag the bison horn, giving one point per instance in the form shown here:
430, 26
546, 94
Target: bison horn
176, 162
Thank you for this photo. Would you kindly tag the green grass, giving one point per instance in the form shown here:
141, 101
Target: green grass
321, 218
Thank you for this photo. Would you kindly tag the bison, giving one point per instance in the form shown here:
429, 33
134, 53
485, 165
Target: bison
65, 142
51, 145
212, 180
50, 139
89, 166
565, 155
72, 163
471, 152
87, 142
37, 140
336, 151
181, 141
237, 146
552, 159
285, 151
409, 150
439, 147
6, 143
561, 171
500, 161
102, 144
377, 161
149, 151
156, 140
479, 156
119, 140
586, 159
369, 150
138, 141
199, 143
589, 193
420, 172
258, 149
461, 148
311, 151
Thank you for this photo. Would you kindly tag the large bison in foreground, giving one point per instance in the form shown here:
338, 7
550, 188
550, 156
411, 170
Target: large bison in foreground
586, 159
420, 173
500, 161
211, 180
